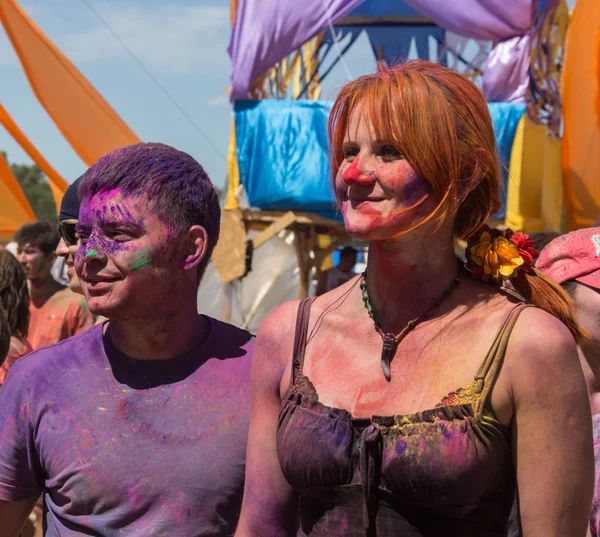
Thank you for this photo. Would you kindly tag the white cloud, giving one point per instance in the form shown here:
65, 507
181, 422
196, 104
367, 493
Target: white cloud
168, 38
221, 100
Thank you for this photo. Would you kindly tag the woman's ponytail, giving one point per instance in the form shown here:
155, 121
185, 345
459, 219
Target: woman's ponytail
541, 291
499, 255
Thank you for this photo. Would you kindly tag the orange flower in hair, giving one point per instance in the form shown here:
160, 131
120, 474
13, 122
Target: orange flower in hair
493, 257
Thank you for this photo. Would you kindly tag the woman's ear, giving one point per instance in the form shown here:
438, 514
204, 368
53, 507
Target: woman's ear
195, 247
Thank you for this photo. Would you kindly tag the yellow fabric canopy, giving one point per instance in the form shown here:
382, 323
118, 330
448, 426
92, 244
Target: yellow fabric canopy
15, 210
82, 115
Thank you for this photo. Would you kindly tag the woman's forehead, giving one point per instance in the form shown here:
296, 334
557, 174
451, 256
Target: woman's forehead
359, 125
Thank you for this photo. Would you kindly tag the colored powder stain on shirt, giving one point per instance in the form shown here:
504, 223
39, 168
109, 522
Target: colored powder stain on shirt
117, 428
595, 513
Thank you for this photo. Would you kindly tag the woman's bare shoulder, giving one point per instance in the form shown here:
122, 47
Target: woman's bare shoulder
542, 352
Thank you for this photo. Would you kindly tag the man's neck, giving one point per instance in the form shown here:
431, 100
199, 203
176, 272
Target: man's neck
42, 288
168, 336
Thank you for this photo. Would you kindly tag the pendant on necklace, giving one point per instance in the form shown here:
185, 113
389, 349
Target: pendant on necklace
389, 345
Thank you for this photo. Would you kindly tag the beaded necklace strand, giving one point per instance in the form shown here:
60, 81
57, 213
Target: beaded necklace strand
391, 341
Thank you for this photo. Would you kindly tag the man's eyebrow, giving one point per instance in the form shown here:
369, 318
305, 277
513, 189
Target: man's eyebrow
115, 223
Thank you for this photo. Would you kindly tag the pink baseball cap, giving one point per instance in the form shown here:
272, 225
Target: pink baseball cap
574, 256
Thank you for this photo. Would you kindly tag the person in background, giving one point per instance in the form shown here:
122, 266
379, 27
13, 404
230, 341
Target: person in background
56, 312
69, 242
14, 309
573, 261
541, 239
67, 222
338, 275
138, 426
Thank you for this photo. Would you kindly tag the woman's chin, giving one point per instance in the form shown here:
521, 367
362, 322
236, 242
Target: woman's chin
368, 233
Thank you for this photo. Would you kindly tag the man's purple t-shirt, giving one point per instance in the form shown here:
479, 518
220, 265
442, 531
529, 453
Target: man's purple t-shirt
129, 447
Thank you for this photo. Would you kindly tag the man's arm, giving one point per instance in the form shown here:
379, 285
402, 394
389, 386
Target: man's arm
13, 516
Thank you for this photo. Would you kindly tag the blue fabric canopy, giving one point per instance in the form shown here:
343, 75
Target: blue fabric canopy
283, 155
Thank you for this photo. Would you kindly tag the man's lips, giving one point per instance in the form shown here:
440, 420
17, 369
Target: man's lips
99, 284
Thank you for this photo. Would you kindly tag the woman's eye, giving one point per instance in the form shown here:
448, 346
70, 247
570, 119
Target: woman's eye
349, 154
389, 152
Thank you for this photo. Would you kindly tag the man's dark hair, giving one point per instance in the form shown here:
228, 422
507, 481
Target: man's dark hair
42, 234
181, 192
541, 239
570, 286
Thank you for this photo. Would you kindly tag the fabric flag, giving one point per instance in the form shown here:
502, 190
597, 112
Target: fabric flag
266, 31
57, 184
581, 116
81, 114
508, 24
14, 207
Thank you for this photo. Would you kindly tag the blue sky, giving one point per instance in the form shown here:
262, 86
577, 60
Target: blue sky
182, 42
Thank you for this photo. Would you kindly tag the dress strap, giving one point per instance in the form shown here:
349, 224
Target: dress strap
490, 369
300, 336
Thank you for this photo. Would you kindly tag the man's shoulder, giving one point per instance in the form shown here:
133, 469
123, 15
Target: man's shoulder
229, 341
229, 333
59, 354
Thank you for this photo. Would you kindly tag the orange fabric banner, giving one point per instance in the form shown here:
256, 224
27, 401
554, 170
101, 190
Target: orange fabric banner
581, 112
57, 184
85, 119
14, 207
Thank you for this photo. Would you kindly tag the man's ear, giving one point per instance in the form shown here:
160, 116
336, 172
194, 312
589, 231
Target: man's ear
195, 247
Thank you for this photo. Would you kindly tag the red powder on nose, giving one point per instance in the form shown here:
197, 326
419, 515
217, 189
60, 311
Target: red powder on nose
352, 173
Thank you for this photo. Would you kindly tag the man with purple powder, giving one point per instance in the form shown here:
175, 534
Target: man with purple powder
138, 426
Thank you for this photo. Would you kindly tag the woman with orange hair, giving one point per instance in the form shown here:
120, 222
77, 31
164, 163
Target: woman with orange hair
417, 398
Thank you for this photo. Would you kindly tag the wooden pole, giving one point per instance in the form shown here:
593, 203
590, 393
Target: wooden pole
303, 265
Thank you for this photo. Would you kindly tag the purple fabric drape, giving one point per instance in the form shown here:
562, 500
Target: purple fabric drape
506, 22
266, 31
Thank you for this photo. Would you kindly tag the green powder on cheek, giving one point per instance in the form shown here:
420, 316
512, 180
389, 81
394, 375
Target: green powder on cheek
143, 259
92, 253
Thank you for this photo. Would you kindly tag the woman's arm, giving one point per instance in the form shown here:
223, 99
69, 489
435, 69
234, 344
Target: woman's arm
552, 428
269, 508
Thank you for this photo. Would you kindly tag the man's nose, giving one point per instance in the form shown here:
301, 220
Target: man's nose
90, 251
62, 250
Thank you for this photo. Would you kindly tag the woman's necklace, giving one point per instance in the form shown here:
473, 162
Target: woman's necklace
391, 341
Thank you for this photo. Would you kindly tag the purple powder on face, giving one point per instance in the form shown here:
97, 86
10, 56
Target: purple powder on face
177, 187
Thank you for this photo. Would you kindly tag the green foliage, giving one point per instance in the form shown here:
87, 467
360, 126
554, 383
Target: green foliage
36, 190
